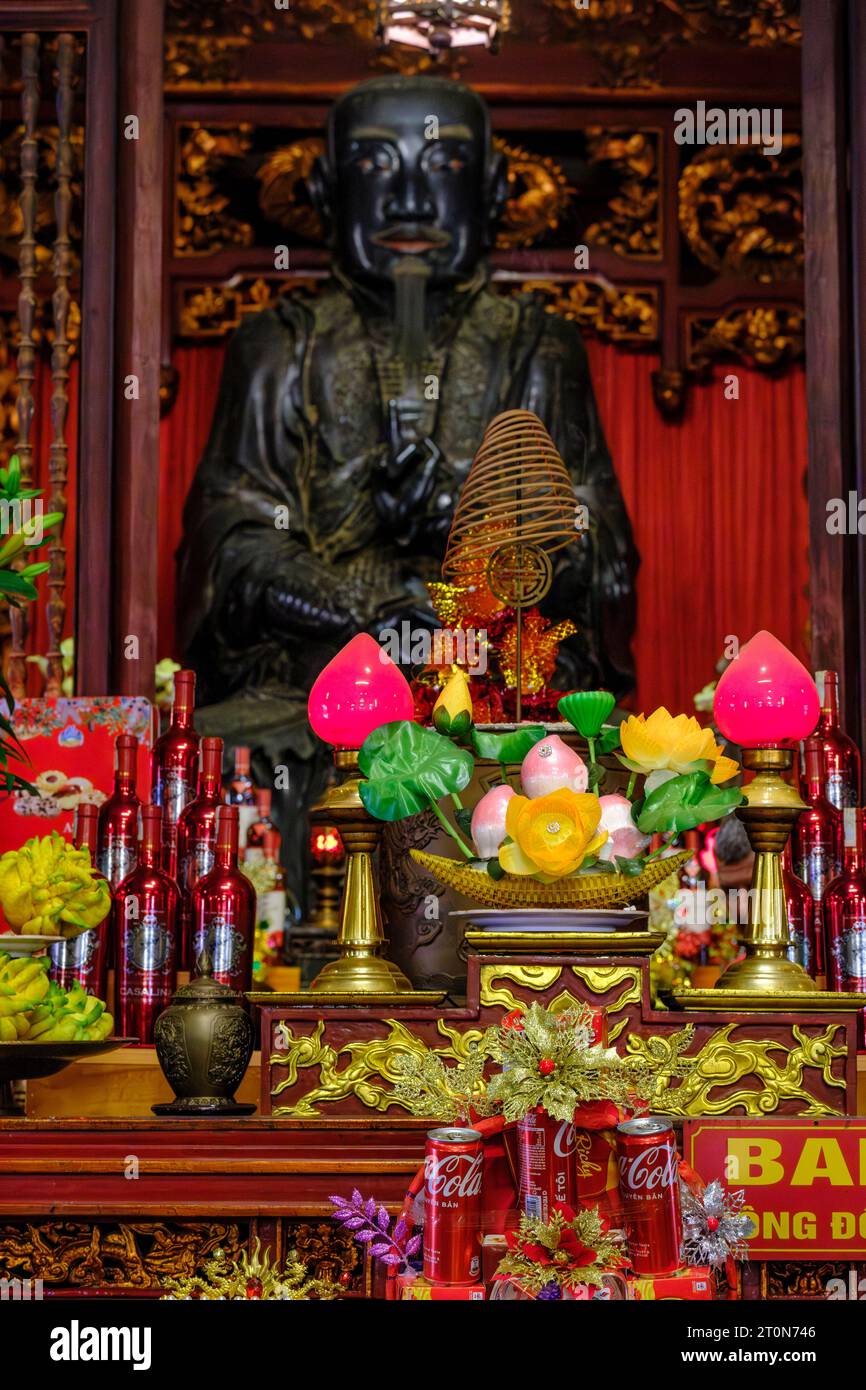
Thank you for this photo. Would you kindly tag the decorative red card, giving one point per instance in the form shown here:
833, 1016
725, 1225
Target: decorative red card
70, 744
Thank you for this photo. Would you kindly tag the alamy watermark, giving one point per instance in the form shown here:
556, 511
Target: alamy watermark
24, 516
21, 1290
418, 646
738, 125
698, 908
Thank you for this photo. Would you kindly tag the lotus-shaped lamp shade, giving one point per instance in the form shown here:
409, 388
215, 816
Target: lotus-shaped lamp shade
359, 690
766, 696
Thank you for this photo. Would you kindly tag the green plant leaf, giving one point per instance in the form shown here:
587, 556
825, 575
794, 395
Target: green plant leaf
608, 739
495, 869
14, 585
20, 541
630, 867
595, 776
507, 748
463, 817
407, 767
683, 802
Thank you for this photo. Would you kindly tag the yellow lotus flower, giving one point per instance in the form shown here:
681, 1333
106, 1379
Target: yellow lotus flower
551, 835
674, 743
452, 712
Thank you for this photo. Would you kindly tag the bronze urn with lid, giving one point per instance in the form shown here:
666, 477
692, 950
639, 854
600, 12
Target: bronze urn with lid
204, 1041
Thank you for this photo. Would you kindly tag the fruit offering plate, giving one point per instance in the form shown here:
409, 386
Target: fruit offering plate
551, 919
18, 946
23, 1060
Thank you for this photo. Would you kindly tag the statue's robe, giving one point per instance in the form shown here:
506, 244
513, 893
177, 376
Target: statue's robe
299, 425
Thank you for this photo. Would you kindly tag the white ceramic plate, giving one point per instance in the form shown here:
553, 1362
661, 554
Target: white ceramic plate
552, 919
13, 945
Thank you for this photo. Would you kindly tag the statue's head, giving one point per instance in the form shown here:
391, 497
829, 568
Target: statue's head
410, 171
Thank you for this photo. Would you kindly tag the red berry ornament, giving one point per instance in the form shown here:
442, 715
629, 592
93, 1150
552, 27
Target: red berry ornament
712, 1223
546, 1066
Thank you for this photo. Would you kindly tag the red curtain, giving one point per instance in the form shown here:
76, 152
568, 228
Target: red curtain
718, 504
717, 501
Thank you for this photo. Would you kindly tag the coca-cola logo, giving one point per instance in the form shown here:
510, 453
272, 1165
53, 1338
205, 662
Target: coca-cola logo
649, 1171
565, 1140
453, 1175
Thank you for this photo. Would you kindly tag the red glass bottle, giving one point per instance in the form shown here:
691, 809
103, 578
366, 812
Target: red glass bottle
817, 843
801, 916
174, 766
262, 826
196, 838
224, 909
84, 957
117, 834
146, 915
841, 754
240, 791
845, 911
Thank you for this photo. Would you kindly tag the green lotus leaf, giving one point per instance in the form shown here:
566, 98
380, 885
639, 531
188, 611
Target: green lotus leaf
407, 767
587, 710
683, 802
608, 739
508, 748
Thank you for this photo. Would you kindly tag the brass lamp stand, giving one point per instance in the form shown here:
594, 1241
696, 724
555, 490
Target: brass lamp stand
362, 968
766, 979
769, 815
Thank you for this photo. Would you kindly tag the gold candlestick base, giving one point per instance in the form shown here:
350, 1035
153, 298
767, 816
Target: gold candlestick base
772, 807
362, 967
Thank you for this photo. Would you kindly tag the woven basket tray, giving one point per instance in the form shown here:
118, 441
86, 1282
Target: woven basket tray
592, 890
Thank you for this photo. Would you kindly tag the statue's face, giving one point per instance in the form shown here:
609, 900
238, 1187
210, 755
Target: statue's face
401, 191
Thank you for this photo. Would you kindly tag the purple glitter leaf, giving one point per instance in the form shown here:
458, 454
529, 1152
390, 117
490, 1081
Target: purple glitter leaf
392, 1259
400, 1230
354, 1223
380, 1250
384, 1220
339, 1201
365, 1235
357, 1199
413, 1246
370, 1208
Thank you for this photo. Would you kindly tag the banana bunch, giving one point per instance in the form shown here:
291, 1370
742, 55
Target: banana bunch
49, 888
36, 1009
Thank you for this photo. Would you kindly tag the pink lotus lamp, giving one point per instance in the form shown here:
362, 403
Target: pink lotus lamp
764, 700
359, 690
766, 696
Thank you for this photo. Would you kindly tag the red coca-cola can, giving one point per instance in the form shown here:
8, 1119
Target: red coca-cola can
650, 1194
546, 1149
452, 1206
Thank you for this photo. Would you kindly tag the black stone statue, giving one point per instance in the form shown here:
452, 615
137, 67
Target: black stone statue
347, 422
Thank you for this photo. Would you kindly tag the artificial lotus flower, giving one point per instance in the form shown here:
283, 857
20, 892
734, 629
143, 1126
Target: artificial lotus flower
488, 821
452, 712
552, 835
550, 765
624, 840
674, 743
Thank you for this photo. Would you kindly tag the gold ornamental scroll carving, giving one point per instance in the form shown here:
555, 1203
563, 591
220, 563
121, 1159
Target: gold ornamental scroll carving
717, 1081
741, 211
600, 979
370, 1062
762, 336
135, 1254
618, 313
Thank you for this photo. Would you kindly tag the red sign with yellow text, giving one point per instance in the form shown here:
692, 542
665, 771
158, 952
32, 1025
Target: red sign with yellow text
804, 1180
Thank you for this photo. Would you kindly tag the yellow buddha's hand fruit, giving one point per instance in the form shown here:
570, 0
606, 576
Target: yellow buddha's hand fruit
47, 887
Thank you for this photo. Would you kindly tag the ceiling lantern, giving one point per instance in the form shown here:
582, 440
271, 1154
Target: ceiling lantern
441, 25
